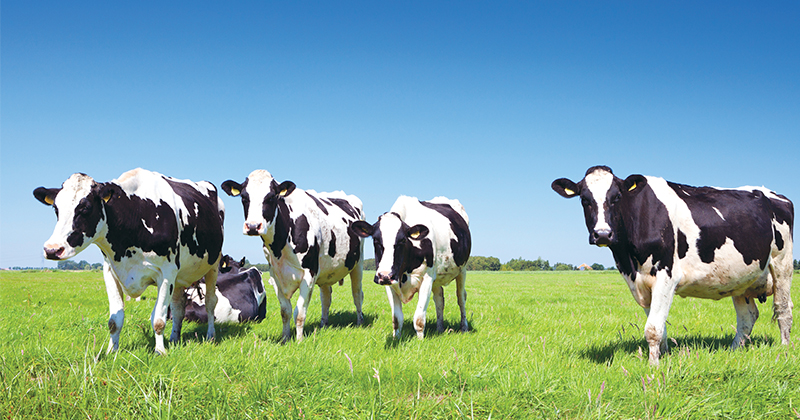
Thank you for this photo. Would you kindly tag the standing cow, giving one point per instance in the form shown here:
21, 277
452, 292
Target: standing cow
240, 295
307, 240
703, 242
428, 245
151, 229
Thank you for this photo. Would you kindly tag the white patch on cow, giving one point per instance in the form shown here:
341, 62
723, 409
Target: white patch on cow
719, 213
74, 189
258, 186
599, 182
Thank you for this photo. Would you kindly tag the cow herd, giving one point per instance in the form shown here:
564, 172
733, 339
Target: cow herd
666, 239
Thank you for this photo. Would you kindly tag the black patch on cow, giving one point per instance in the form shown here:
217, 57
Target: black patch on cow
332, 245
462, 245
346, 207
283, 224
377, 241
683, 245
783, 211
778, 238
311, 259
300, 234
746, 220
202, 234
354, 250
125, 228
319, 204
88, 214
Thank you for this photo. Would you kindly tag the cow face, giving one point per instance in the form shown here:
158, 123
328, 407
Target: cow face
79, 209
603, 197
407, 246
261, 196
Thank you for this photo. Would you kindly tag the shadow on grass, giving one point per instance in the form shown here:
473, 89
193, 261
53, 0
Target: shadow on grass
605, 354
408, 333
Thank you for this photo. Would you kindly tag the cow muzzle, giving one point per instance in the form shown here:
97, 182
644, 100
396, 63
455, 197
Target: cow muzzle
53, 252
384, 279
253, 229
602, 237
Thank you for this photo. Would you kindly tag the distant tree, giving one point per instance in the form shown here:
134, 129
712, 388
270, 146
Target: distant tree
563, 267
97, 266
597, 266
797, 264
520, 264
478, 263
369, 264
69, 265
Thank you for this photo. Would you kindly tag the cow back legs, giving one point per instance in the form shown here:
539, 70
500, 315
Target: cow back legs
397, 312
746, 316
356, 275
178, 307
115, 307
461, 294
438, 300
325, 295
781, 270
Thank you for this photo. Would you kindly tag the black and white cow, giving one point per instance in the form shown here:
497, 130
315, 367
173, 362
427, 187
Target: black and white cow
703, 242
307, 240
421, 246
240, 295
151, 229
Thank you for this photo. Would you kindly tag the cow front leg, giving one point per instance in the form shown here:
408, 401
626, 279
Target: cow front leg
159, 316
211, 301
356, 275
301, 308
116, 307
325, 296
397, 312
746, 316
461, 294
286, 314
425, 290
438, 301
178, 307
655, 329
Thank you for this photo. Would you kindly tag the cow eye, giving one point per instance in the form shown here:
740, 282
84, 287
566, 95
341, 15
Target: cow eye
615, 198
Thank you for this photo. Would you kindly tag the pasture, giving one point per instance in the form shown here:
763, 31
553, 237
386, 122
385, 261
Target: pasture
542, 345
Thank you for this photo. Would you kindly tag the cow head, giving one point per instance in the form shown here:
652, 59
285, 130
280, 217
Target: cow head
81, 216
408, 247
227, 263
603, 197
261, 195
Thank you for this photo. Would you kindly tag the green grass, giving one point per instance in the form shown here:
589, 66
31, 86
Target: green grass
542, 345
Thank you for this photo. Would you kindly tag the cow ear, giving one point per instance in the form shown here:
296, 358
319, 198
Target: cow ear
286, 188
417, 232
46, 195
634, 183
565, 188
362, 228
110, 191
232, 188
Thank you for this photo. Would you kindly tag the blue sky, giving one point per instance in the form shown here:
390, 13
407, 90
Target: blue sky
487, 102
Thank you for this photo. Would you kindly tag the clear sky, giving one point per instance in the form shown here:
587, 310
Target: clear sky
487, 102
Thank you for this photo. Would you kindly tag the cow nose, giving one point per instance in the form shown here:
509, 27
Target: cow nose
252, 228
602, 237
53, 253
383, 279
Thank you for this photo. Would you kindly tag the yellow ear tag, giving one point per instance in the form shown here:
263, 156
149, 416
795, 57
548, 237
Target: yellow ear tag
283, 192
107, 197
414, 235
224, 264
633, 187
49, 200
569, 191
235, 192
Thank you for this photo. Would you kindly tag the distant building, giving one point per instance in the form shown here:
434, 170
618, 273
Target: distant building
584, 267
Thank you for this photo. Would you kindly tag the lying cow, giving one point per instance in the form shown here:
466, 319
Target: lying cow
429, 244
307, 241
240, 295
151, 229
702, 242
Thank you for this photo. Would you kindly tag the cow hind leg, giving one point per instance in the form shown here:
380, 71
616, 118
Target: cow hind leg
356, 275
782, 305
178, 307
325, 295
438, 300
746, 316
461, 294
115, 308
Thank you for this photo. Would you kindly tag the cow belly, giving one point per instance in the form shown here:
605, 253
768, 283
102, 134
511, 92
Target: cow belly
720, 283
331, 276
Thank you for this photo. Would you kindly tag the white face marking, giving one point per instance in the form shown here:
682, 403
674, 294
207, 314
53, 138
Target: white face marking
74, 189
598, 183
258, 186
390, 225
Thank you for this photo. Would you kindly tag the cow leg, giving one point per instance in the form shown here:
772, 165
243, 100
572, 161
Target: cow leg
461, 293
397, 312
159, 316
655, 329
746, 316
178, 307
325, 295
211, 300
781, 270
301, 308
356, 275
425, 289
438, 301
286, 314
115, 307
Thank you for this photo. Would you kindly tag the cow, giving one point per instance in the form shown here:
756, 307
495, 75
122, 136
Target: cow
307, 240
702, 242
240, 295
151, 229
428, 244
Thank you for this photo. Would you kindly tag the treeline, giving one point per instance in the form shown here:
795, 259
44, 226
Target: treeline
478, 263
797, 264
82, 265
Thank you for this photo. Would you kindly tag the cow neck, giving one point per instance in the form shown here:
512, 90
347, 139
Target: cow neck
277, 235
101, 240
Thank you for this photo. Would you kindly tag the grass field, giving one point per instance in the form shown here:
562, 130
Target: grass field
542, 345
